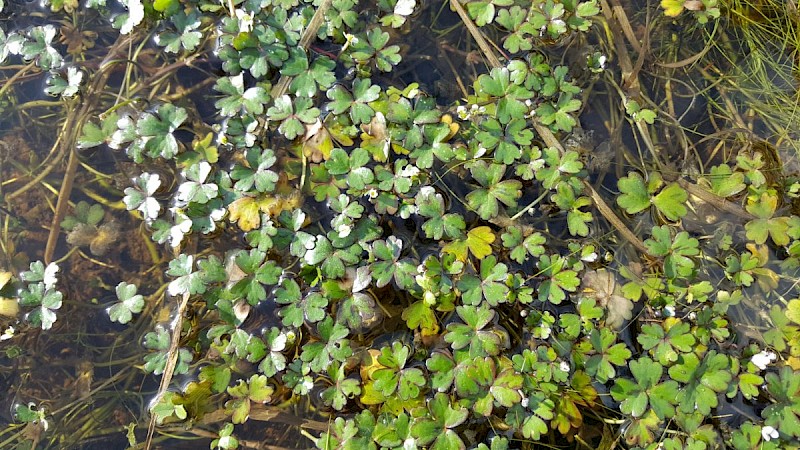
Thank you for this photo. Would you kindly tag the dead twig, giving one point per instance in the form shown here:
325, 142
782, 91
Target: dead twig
74, 125
172, 361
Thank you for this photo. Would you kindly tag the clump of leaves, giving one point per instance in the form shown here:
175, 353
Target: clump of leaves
41, 294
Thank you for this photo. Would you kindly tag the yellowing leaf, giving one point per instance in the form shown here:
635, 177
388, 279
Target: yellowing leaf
479, 241
370, 395
369, 363
317, 144
9, 307
163, 5
205, 149
341, 133
399, 149
246, 211
793, 311
375, 137
672, 8
458, 249
5, 277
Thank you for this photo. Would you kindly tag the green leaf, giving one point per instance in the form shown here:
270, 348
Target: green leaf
357, 102
784, 413
485, 201
703, 380
298, 308
92, 135
437, 427
671, 201
167, 407
635, 197
471, 333
159, 130
187, 36
308, 78
195, 189
420, 315
38, 47
667, 341
646, 391
255, 172
560, 279
724, 182
239, 100
332, 346
482, 12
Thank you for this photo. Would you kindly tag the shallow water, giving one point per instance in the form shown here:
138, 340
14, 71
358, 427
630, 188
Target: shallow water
86, 371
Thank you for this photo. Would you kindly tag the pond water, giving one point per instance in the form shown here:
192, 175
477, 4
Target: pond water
255, 224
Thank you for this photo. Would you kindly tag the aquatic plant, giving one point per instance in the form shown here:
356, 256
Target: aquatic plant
406, 270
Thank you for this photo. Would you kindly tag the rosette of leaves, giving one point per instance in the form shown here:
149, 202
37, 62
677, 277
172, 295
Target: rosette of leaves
308, 77
504, 95
140, 196
255, 271
355, 103
387, 265
600, 353
237, 99
258, 50
185, 34
437, 422
372, 47
332, 345
152, 134
41, 294
244, 394
474, 333
677, 251
38, 45
784, 413
293, 115
342, 388
667, 341
702, 381
393, 377
646, 390
523, 246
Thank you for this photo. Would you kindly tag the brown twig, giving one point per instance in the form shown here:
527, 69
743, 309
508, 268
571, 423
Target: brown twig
715, 200
74, 126
172, 361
